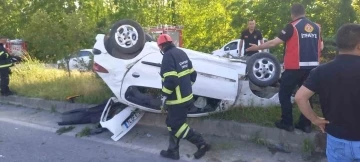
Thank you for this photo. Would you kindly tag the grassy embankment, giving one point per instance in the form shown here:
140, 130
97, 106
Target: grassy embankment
34, 79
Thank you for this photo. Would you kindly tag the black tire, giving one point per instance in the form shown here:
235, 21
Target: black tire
121, 52
275, 68
107, 44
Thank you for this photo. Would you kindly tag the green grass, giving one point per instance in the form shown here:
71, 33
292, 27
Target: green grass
84, 132
64, 130
258, 115
33, 79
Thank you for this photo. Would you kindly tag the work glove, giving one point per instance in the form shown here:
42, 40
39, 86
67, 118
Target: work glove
163, 106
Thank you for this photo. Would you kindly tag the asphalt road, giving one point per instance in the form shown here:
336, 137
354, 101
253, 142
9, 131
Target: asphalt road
28, 135
24, 144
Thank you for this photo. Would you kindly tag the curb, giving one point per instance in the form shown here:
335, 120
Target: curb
38, 103
295, 141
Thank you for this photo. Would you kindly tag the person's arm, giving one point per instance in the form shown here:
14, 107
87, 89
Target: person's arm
302, 96
269, 44
261, 39
241, 42
240, 47
322, 43
3, 53
170, 77
285, 35
193, 73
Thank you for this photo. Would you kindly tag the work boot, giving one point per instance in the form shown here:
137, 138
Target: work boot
196, 139
201, 151
281, 125
173, 151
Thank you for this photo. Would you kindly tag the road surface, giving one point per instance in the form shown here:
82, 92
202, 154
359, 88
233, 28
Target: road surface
28, 135
23, 144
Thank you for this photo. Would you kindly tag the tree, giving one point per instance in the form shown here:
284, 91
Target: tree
52, 39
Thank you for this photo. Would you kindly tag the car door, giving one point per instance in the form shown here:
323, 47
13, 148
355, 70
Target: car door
232, 48
143, 73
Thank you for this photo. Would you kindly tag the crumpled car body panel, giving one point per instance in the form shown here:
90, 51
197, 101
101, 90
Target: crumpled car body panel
122, 122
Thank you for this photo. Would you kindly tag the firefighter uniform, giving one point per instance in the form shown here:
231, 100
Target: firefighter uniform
302, 52
5, 63
178, 75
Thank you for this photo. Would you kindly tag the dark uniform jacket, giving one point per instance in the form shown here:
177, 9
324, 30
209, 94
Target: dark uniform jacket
5, 58
178, 75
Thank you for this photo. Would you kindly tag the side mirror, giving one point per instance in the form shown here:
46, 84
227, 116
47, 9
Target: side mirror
227, 48
96, 51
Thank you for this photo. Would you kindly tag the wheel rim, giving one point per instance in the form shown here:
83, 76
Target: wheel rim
126, 36
264, 69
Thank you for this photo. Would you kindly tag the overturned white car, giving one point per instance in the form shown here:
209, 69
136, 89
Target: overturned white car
129, 61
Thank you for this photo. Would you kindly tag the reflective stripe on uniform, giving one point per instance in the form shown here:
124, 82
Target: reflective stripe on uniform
181, 74
187, 131
170, 73
165, 90
315, 63
6, 65
2, 52
181, 130
179, 101
179, 98
169, 129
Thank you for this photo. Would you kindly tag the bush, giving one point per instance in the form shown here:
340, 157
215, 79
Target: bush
329, 52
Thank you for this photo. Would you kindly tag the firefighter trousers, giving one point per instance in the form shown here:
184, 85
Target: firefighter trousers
4, 76
179, 129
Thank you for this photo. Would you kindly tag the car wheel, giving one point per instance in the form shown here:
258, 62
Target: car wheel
126, 40
263, 69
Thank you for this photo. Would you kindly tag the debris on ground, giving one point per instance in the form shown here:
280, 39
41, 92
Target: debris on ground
277, 148
84, 132
64, 130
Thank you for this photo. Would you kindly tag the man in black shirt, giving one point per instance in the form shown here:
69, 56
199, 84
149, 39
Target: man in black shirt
250, 36
338, 86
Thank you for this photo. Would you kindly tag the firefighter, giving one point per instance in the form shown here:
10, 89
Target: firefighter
178, 76
303, 45
5, 63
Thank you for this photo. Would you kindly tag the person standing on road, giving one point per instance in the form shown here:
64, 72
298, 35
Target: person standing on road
337, 84
178, 75
303, 45
5, 63
250, 36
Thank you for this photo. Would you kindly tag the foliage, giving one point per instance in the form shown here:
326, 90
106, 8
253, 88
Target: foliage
55, 29
34, 79
59, 37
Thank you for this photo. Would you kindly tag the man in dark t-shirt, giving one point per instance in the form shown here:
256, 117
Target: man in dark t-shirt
337, 83
303, 45
250, 36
